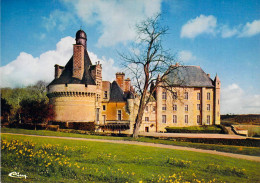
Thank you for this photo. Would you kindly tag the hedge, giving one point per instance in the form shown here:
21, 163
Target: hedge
195, 129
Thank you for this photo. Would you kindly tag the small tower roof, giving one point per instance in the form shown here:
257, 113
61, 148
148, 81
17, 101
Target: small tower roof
81, 34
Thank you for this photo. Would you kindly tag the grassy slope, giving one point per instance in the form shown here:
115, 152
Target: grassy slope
254, 151
106, 162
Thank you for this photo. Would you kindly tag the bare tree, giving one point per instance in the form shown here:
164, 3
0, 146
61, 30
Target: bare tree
148, 63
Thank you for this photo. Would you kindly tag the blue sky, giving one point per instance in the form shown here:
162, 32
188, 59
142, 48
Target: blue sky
222, 37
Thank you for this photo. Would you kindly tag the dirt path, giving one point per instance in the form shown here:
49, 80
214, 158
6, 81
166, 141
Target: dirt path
239, 156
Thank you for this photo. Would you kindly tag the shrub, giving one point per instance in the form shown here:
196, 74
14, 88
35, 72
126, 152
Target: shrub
194, 129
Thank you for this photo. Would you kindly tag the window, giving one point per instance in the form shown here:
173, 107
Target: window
174, 118
104, 107
119, 115
146, 108
175, 96
186, 119
198, 96
208, 119
208, 107
208, 96
164, 107
105, 94
164, 95
186, 108
175, 107
198, 119
198, 107
146, 119
186, 95
163, 118
153, 108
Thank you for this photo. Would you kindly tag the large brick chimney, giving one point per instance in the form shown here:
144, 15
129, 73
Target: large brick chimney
120, 79
78, 61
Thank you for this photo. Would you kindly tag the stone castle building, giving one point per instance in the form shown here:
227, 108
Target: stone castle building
79, 95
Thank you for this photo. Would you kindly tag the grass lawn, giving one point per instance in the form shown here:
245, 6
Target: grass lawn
254, 151
59, 160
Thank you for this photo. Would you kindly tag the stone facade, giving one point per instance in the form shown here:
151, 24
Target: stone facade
78, 94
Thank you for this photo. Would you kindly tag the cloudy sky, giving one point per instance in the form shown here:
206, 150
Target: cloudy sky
223, 37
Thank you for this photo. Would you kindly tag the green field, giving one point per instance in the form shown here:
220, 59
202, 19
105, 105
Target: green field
58, 160
254, 151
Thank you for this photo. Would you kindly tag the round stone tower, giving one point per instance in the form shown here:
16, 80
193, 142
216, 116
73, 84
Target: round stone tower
73, 92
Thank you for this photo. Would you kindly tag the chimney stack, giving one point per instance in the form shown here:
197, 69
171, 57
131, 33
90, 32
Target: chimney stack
120, 78
58, 71
127, 85
78, 61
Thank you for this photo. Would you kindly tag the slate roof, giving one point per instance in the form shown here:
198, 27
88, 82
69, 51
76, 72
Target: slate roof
188, 76
116, 93
66, 76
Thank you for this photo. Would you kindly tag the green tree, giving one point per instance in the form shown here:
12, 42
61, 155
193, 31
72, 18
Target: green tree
36, 112
5, 110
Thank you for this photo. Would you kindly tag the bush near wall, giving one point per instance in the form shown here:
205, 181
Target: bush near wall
87, 126
194, 129
28, 126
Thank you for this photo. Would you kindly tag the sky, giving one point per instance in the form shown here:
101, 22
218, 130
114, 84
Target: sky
222, 37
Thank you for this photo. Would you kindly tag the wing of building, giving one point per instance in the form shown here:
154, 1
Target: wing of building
80, 97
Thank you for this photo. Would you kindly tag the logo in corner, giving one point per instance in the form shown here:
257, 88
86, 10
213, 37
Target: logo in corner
16, 175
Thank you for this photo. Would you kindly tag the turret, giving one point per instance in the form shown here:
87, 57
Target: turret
81, 38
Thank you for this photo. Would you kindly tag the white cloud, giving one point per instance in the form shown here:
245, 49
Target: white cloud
226, 32
58, 19
186, 56
26, 69
199, 25
250, 29
116, 18
208, 25
109, 69
236, 101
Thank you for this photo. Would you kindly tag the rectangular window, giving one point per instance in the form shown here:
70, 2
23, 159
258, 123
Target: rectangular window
186, 95
146, 108
186, 119
198, 107
105, 94
208, 96
153, 108
186, 108
146, 119
163, 118
198, 96
175, 96
164, 95
174, 118
119, 115
208, 107
104, 107
198, 119
208, 119
175, 107
164, 107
